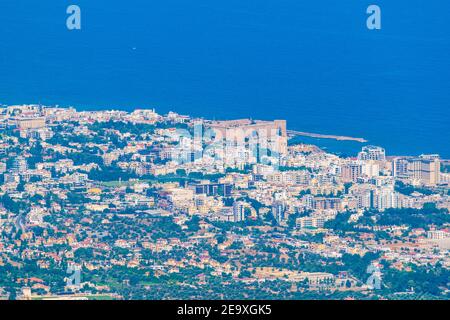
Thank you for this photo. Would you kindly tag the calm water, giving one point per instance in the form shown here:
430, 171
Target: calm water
313, 63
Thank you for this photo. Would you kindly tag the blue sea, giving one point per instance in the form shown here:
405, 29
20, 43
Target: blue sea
314, 63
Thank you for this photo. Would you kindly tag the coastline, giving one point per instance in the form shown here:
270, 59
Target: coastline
339, 144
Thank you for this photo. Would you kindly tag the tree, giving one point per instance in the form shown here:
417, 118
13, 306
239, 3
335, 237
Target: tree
21, 186
193, 224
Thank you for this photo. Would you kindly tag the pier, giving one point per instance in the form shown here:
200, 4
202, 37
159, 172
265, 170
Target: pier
293, 133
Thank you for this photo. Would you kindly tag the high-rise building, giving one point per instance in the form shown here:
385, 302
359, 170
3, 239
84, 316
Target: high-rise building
239, 211
214, 189
308, 201
426, 169
310, 222
322, 203
384, 198
19, 165
279, 211
444, 178
371, 168
437, 235
2, 167
351, 172
372, 153
364, 199
400, 168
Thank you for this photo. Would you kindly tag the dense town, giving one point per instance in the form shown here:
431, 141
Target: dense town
138, 205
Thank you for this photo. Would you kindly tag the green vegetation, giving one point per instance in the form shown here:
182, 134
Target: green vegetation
408, 189
415, 218
445, 167
422, 280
